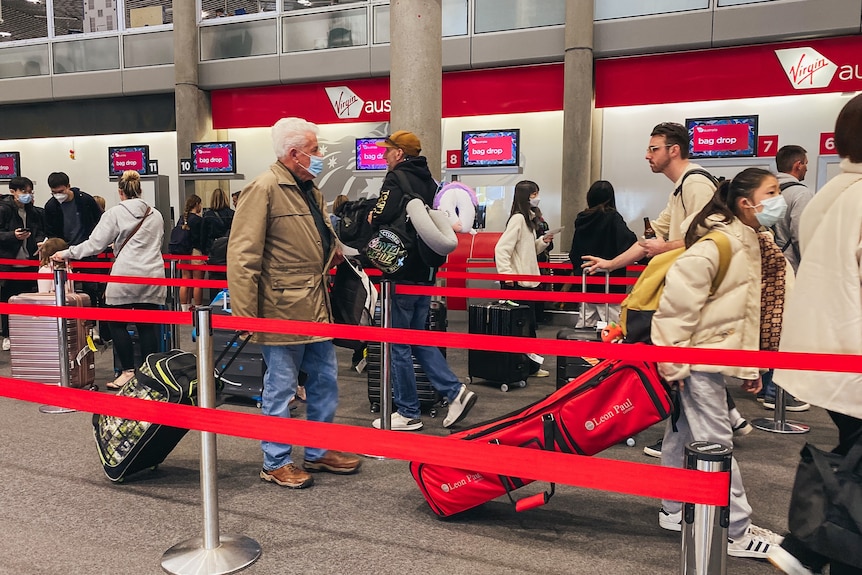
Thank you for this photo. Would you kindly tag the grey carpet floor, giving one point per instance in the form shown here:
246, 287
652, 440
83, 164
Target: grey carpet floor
60, 515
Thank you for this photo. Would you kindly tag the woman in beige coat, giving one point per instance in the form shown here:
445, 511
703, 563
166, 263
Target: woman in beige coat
517, 250
825, 313
690, 316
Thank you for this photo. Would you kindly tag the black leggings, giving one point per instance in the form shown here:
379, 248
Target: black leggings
848, 431
148, 336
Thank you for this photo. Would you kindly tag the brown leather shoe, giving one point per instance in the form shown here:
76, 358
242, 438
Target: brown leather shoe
288, 476
334, 462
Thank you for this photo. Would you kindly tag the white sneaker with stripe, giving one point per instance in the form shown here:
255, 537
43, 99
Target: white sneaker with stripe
755, 543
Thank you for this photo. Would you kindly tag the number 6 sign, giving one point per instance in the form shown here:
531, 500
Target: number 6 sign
827, 143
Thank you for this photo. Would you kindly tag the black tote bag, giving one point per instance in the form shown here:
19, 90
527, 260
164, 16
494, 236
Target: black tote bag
826, 504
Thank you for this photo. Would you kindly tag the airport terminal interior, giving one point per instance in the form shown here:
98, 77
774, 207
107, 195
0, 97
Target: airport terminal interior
185, 92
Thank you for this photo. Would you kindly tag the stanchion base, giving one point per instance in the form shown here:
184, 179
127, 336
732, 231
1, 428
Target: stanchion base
54, 409
234, 553
772, 426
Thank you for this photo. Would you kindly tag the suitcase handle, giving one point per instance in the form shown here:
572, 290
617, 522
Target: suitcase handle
533, 501
242, 344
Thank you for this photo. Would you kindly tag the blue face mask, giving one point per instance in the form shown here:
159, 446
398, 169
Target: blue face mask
773, 210
315, 166
25, 198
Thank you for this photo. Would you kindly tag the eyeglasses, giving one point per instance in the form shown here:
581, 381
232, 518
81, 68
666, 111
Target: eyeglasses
654, 149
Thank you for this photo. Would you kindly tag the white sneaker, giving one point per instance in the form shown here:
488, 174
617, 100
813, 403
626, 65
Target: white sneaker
670, 521
400, 423
460, 406
782, 559
541, 373
755, 543
742, 428
7, 345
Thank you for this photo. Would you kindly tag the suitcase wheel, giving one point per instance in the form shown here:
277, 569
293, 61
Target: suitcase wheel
258, 404
504, 387
432, 412
375, 408
522, 384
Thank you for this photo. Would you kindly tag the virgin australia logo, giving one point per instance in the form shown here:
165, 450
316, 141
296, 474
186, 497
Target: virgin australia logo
806, 67
345, 102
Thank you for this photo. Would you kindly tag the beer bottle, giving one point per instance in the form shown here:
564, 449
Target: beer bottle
649, 233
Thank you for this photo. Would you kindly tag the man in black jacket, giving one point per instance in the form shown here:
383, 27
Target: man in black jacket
21, 228
411, 311
72, 214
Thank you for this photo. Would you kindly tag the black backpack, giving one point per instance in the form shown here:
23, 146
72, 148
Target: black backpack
181, 238
699, 171
353, 227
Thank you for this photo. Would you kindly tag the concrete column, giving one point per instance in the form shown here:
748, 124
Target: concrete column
192, 105
577, 114
416, 63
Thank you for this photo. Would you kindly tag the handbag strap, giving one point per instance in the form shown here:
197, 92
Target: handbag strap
134, 231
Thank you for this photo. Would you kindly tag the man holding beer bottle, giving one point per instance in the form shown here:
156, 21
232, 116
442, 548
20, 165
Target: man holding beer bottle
667, 153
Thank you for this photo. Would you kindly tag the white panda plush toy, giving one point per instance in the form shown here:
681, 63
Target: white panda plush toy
459, 203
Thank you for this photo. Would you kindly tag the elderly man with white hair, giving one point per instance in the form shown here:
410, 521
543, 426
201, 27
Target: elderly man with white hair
278, 263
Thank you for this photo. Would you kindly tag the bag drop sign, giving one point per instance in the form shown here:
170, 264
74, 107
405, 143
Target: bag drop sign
720, 137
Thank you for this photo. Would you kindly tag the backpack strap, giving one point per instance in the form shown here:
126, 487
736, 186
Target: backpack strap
725, 253
696, 171
405, 186
786, 185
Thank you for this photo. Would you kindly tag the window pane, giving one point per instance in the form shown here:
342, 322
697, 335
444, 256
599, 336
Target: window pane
153, 49
219, 8
497, 15
87, 55
609, 9
328, 30
737, 2
24, 61
238, 39
454, 20
140, 13
23, 20
306, 4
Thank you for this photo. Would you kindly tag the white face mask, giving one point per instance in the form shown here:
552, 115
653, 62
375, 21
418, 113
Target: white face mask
774, 209
534, 202
60, 197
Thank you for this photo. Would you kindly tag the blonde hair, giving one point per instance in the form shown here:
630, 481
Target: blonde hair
218, 200
100, 201
130, 183
50, 247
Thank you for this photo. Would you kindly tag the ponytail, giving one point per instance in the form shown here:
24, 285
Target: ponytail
716, 205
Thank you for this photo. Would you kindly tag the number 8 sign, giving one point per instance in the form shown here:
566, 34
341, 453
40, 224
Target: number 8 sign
453, 158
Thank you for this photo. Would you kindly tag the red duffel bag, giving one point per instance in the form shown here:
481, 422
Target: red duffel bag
606, 405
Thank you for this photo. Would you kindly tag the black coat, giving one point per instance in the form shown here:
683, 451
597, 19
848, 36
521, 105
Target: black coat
604, 234
214, 224
10, 220
88, 211
391, 205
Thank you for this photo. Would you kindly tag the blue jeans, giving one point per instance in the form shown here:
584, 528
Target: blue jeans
283, 364
768, 390
411, 312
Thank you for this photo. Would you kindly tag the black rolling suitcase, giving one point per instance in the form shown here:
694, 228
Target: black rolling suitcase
504, 368
239, 365
429, 399
127, 446
568, 368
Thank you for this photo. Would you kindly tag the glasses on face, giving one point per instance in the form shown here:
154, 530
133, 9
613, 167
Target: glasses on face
654, 149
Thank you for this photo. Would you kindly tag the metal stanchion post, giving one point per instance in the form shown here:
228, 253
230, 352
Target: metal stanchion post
63, 337
704, 527
175, 305
210, 554
385, 357
779, 423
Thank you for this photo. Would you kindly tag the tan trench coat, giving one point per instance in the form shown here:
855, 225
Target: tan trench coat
276, 266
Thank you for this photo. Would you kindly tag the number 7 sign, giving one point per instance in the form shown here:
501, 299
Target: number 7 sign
767, 146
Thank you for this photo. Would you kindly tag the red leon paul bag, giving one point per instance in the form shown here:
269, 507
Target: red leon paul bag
612, 401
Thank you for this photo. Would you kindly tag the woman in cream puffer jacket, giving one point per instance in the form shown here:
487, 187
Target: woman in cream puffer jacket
688, 316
